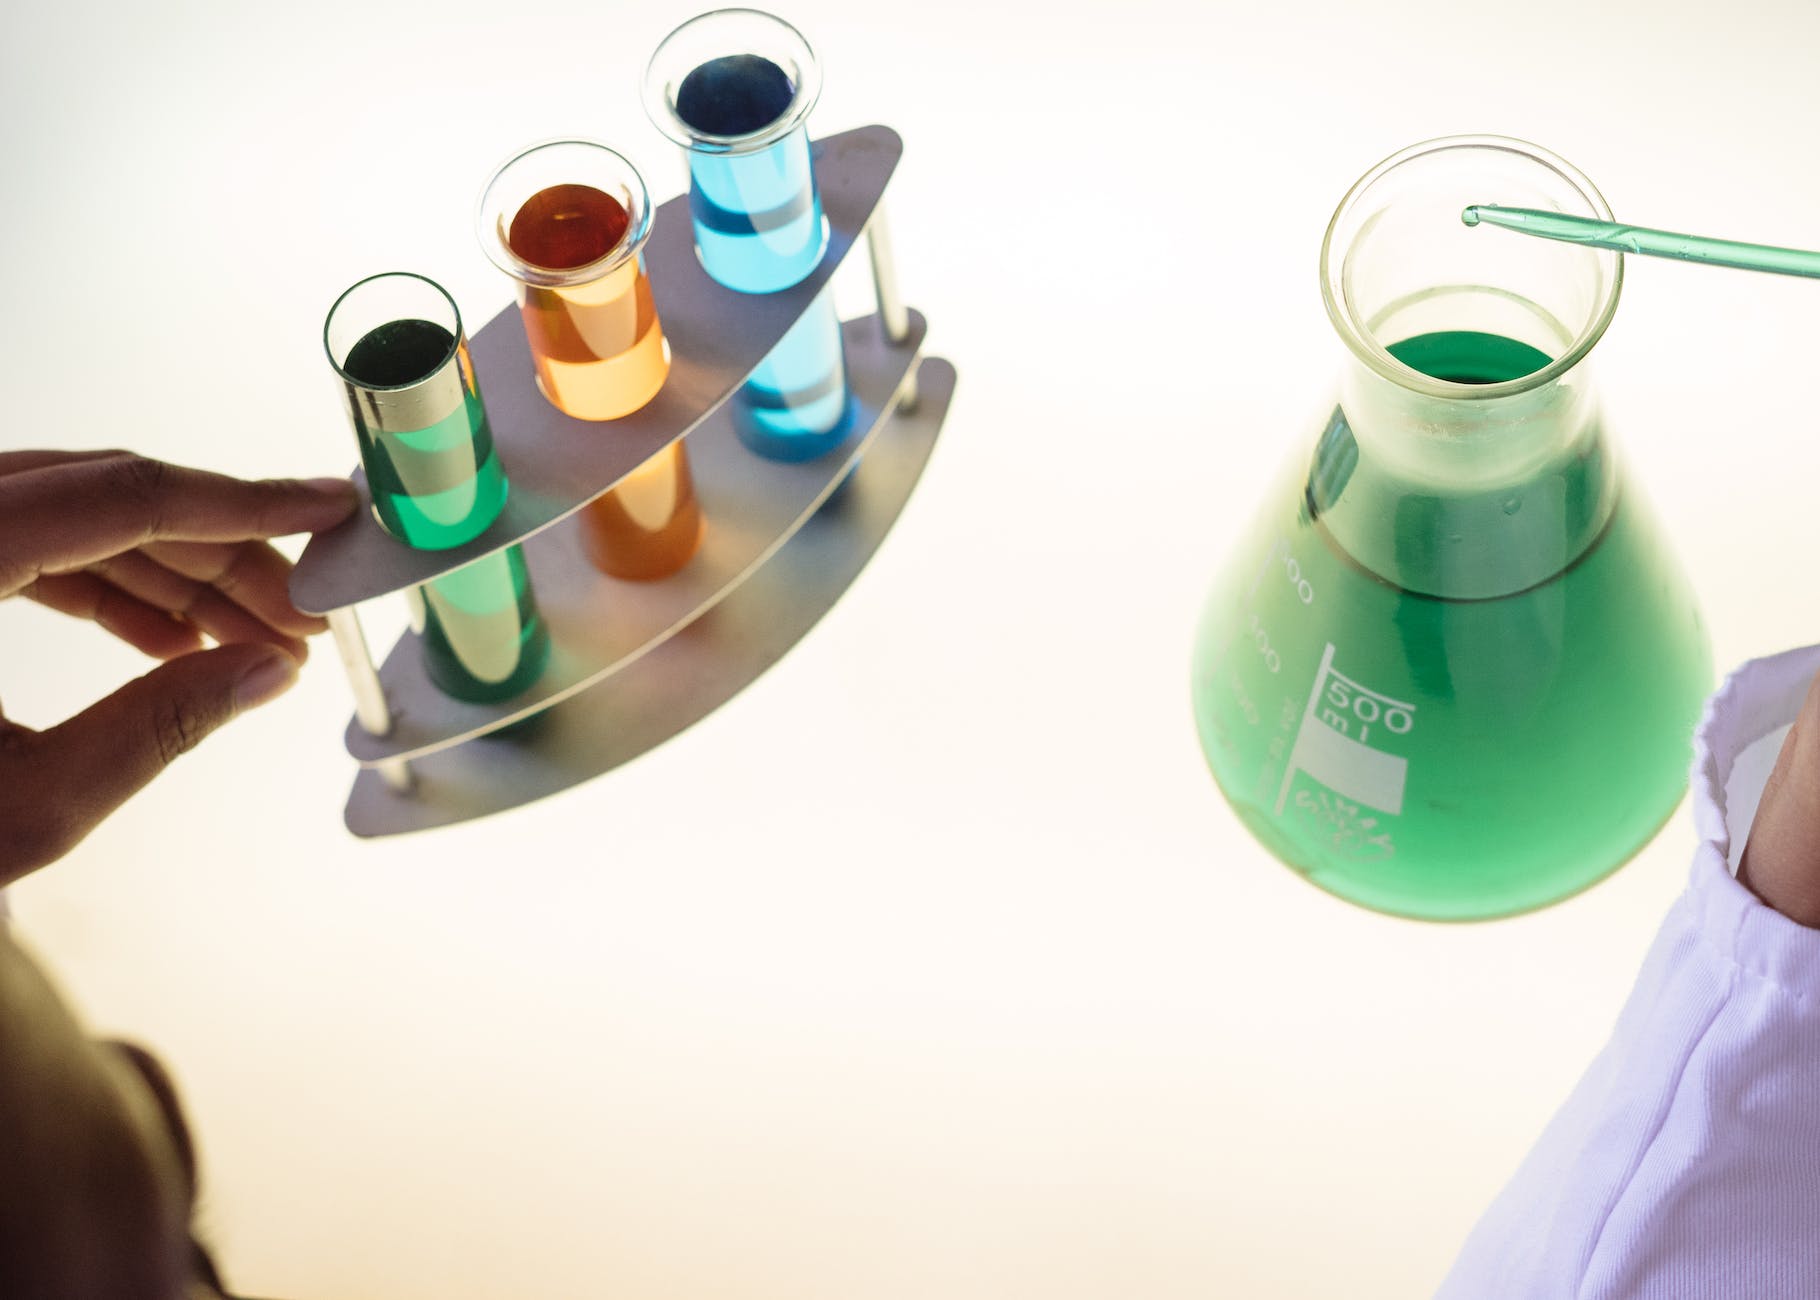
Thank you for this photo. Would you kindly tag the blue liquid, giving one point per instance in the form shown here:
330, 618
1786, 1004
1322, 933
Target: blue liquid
483, 638
759, 229
795, 405
757, 216
734, 95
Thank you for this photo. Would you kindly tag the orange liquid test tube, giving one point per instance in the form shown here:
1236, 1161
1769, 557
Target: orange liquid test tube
567, 221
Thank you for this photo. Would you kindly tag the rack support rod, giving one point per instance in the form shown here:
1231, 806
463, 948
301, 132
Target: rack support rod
892, 313
369, 697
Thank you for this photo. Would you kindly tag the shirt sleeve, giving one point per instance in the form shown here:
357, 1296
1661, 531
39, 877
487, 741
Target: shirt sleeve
1686, 1162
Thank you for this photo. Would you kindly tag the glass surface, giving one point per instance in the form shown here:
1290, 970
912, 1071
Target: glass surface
1453, 670
413, 400
482, 636
567, 220
734, 87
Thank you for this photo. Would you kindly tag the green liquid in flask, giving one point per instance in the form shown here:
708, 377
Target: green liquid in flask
1442, 757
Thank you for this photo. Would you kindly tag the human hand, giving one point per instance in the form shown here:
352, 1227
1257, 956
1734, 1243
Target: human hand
1781, 862
162, 557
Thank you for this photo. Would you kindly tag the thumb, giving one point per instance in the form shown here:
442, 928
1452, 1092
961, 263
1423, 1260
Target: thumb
1781, 863
88, 766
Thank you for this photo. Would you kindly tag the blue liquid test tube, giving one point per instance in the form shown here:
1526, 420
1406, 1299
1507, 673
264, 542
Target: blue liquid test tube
734, 88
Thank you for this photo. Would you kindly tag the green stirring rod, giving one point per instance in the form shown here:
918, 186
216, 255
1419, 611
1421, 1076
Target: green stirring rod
1641, 239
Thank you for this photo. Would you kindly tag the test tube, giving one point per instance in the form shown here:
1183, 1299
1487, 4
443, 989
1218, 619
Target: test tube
397, 344
396, 341
567, 220
734, 88
483, 638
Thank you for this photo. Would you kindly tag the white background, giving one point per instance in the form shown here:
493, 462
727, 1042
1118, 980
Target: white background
933, 965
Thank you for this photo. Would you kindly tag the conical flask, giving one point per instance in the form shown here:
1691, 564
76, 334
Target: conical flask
1452, 671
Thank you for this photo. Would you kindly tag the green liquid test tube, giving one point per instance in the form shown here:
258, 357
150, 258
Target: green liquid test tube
396, 342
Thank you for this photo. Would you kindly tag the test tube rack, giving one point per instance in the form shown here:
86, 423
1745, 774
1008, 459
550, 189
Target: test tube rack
634, 663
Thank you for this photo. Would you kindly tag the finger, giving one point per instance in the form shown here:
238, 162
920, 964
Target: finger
1781, 862
155, 627
251, 574
255, 586
60, 783
229, 624
65, 517
142, 626
14, 462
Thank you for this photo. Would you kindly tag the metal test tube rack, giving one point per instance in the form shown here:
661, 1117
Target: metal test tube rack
636, 663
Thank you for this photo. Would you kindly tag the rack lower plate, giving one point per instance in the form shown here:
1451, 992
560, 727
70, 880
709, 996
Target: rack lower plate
598, 624
689, 675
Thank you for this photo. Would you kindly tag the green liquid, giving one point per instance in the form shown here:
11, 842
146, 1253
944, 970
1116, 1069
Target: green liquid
437, 486
1469, 357
1452, 759
483, 639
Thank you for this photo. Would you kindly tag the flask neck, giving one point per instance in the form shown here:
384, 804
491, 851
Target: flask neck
1465, 457
1463, 499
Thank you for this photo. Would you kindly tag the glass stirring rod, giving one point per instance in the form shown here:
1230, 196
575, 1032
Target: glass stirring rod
1640, 239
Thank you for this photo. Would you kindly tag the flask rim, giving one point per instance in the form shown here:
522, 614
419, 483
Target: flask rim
1364, 344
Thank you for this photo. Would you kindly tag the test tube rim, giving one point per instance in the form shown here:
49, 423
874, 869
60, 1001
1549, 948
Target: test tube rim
499, 252
458, 334
662, 111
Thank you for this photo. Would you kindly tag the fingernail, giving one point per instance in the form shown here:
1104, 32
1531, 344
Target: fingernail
267, 679
338, 487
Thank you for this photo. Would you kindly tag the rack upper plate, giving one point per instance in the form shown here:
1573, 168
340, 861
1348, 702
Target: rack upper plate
750, 506
690, 674
556, 464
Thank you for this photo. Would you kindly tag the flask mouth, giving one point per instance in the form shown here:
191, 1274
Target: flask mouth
1398, 261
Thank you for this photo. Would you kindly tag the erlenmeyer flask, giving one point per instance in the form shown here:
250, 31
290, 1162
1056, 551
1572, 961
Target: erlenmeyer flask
1452, 671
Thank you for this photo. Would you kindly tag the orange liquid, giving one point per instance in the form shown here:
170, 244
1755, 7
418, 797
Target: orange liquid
650, 524
599, 347
599, 352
